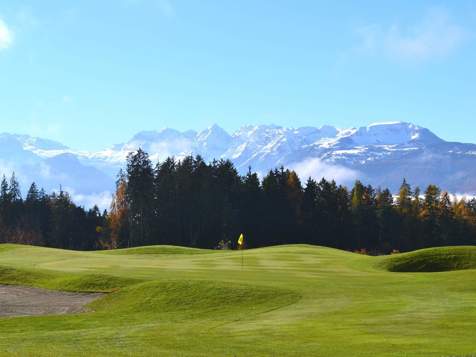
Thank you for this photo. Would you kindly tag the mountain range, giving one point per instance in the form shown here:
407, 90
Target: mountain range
380, 154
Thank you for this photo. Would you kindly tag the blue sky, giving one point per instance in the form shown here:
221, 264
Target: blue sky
92, 73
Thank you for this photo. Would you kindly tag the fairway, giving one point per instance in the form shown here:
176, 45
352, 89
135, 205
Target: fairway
294, 300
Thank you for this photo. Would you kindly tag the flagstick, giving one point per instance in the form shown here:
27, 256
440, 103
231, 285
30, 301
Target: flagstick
241, 246
241, 258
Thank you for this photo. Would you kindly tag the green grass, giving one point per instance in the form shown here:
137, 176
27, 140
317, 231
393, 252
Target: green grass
433, 260
294, 300
160, 249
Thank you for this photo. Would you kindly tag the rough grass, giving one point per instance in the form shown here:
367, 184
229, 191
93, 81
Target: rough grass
294, 300
433, 260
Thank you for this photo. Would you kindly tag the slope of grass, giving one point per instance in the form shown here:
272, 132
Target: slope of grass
294, 300
163, 249
12, 276
433, 260
90, 283
188, 299
6, 247
64, 282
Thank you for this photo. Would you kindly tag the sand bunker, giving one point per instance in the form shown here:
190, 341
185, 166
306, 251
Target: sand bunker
25, 301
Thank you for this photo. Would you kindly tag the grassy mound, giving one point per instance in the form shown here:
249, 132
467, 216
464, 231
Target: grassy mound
91, 283
7, 247
195, 299
13, 276
432, 260
158, 249
64, 282
278, 301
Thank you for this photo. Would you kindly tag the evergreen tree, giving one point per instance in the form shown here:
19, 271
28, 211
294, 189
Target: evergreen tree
14, 189
251, 210
140, 196
429, 216
4, 191
387, 221
194, 203
344, 232
404, 199
327, 213
445, 219
33, 195
165, 202
364, 215
310, 225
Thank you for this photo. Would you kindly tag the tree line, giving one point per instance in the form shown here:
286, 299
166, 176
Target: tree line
190, 202
51, 220
193, 203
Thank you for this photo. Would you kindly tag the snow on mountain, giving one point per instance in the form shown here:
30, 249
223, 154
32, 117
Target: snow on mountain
212, 142
381, 154
51, 165
393, 133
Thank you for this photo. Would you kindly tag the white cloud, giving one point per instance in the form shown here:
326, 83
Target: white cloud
6, 36
434, 36
102, 199
459, 196
317, 169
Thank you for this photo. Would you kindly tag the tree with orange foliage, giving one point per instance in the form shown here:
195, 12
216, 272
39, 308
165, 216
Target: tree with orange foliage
117, 220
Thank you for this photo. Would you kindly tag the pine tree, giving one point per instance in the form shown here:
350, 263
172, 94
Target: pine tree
404, 199
33, 194
429, 215
446, 226
387, 221
140, 196
327, 213
357, 195
166, 225
14, 189
4, 191
358, 215
416, 202
251, 210
309, 212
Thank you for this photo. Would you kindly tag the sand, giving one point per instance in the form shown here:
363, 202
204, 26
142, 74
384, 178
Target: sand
26, 301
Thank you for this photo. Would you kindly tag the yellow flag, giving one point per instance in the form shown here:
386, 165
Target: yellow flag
241, 240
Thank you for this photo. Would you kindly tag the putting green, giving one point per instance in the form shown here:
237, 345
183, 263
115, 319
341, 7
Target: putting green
294, 300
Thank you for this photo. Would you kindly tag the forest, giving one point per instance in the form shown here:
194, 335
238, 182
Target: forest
50, 220
193, 203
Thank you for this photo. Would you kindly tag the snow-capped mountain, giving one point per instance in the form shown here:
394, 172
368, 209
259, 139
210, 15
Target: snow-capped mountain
381, 154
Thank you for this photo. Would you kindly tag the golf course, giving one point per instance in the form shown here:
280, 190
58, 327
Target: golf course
292, 300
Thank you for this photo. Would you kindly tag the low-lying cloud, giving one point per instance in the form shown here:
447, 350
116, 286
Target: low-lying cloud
318, 169
102, 199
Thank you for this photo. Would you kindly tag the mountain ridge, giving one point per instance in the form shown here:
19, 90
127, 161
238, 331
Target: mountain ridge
381, 154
